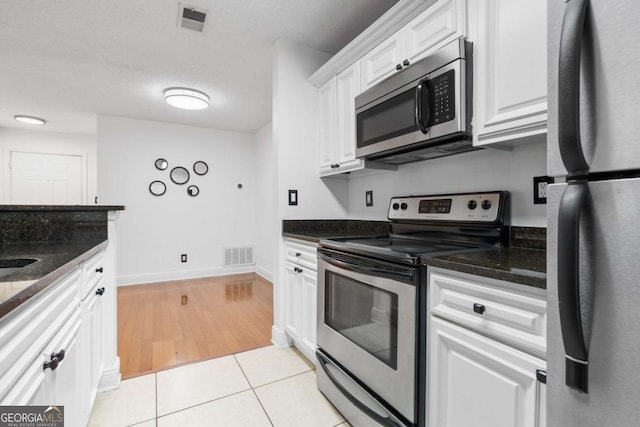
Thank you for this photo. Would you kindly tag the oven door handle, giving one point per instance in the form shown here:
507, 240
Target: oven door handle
385, 421
395, 274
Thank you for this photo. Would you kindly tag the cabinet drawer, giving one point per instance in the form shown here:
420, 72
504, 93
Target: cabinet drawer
92, 272
509, 313
25, 338
302, 254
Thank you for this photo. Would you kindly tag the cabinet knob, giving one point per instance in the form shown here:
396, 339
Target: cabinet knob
406, 63
298, 254
99, 270
541, 375
478, 308
59, 355
100, 291
53, 364
398, 67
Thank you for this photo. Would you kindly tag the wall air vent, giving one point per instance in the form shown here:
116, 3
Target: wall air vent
238, 256
191, 19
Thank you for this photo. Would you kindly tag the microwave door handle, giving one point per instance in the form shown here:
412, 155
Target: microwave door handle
569, 88
576, 358
422, 116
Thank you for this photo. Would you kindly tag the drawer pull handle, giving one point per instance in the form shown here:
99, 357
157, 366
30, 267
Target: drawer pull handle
478, 308
100, 291
53, 364
297, 270
298, 254
99, 270
59, 355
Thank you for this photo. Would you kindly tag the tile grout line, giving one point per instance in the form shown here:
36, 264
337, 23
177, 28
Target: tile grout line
254, 391
284, 378
203, 403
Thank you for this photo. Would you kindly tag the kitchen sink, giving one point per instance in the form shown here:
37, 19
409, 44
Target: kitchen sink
8, 266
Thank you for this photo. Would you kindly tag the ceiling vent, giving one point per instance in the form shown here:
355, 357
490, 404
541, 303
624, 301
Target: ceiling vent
191, 19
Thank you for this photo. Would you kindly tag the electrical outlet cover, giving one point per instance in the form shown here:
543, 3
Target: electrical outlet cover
540, 189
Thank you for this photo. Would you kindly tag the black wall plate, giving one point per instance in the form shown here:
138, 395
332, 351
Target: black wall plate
293, 197
368, 197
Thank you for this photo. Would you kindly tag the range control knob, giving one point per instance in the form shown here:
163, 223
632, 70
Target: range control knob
395, 206
472, 204
486, 205
403, 206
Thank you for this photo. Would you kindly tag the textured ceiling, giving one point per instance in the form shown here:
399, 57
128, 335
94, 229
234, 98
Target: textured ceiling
67, 61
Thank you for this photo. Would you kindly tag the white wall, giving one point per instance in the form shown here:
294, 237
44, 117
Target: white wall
265, 202
295, 121
295, 113
488, 170
41, 141
154, 231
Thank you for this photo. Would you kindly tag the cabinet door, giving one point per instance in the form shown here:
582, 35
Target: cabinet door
327, 125
475, 381
347, 87
381, 62
510, 56
440, 24
292, 300
94, 338
309, 298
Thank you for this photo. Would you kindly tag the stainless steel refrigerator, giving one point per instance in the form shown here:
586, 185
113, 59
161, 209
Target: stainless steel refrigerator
593, 261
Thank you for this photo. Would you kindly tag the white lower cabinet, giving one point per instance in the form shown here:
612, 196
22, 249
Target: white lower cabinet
301, 295
51, 348
475, 378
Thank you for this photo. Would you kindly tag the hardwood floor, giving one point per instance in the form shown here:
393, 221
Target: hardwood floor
161, 325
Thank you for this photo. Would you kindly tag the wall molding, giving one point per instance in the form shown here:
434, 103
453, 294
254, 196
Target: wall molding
264, 273
279, 337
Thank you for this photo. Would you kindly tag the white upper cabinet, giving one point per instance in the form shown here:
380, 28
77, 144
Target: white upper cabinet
441, 23
337, 133
347, 88
327, 124
510, 57
382, 61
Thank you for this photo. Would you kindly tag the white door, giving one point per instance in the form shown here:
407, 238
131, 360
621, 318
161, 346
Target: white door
45, 179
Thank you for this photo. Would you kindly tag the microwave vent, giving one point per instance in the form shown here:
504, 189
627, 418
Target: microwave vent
191, 19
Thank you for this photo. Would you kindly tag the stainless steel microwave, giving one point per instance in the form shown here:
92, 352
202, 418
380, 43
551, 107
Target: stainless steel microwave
422, 112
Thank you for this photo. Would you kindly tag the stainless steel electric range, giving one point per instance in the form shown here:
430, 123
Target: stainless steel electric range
372, 302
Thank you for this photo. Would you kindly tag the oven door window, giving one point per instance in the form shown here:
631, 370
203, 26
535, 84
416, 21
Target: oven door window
391, 118
364, 314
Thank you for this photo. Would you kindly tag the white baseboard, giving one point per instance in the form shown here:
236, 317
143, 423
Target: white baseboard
137, 279
110, 379
261, 271
279, 337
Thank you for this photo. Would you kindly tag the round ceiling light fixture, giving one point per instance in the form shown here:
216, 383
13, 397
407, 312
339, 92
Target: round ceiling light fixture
30, 120
188, 99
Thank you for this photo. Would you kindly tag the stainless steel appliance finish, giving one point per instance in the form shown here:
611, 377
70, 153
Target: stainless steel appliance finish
367, 321
422, 112
372, 302
593, 291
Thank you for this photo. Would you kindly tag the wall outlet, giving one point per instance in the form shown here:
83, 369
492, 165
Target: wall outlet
368, 197
540, 189
183, 258
293, 197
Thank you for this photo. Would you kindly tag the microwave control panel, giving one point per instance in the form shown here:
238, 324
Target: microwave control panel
442, 104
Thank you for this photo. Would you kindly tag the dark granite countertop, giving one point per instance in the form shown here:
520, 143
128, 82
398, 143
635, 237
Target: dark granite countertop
525, 262
517, 265
25, 208
313, 230
55, 259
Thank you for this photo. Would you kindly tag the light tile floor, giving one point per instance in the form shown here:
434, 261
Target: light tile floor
263, 387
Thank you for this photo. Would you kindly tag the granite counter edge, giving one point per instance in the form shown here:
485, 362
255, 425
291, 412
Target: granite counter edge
10, 305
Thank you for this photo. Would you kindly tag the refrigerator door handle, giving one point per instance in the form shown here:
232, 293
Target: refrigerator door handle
569, 88
576, 363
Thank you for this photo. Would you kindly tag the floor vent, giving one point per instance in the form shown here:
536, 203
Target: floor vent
191, 19
238, 256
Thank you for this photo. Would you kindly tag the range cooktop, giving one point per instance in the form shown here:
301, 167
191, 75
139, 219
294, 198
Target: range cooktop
430, 226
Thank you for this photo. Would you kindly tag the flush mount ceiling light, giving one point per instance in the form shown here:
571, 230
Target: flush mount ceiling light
189, 99
30, 120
